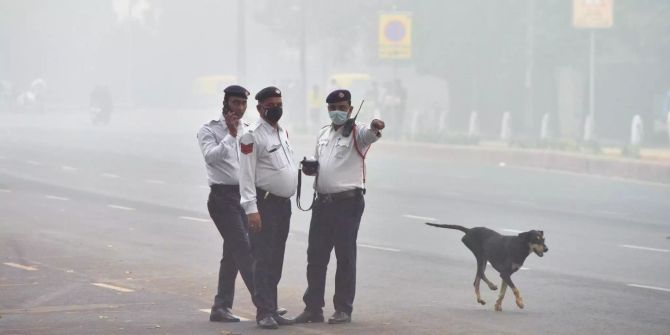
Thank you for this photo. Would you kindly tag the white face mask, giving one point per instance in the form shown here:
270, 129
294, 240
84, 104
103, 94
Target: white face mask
338, 117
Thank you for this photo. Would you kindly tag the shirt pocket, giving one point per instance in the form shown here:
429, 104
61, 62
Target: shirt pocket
342, 147
290, 151
323, 144
275, 153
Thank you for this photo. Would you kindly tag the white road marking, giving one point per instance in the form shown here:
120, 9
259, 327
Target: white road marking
190, 218
423, 218
608, 213
378, 248
22, 267
460, 177
205, 310
513, 231
524, 268
112, 287
55, 197
68, 168
522, 203
154, 181
109, 175
650, 287
121, 207
35, 163
642, 248
4, 190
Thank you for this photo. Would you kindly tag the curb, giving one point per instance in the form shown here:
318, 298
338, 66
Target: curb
657, 172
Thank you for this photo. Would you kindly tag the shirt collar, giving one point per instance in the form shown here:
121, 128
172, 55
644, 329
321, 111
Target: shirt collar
332, 128
269, 126
225, 126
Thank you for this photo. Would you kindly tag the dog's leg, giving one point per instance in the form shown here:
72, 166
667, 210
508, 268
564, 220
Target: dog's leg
507, 279
481, 268
517, 295
501, 296
491, 285
481, 265
476, 283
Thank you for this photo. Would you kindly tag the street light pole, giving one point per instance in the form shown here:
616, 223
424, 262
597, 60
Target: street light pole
592, 84
303, 60
241, 43
530, 15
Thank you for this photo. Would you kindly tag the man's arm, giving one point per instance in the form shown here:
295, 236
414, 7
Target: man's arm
368, 134
211, 150
248, 160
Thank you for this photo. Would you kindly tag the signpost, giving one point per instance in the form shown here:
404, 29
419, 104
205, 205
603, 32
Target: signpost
395, 35
592, 14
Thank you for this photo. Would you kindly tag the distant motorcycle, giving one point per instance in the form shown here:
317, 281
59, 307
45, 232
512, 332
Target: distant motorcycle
100, 106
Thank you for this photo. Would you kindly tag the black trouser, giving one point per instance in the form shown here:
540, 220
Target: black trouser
229, 218
268, 247
334, 224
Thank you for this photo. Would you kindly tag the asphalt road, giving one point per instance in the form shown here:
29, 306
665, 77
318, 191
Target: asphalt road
104, 230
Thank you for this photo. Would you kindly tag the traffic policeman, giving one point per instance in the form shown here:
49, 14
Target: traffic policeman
219, 144
268, 179
339, 206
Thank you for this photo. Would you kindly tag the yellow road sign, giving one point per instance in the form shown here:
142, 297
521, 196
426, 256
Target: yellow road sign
395, 35
592, 13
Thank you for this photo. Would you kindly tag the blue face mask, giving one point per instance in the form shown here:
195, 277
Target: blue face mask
338, 117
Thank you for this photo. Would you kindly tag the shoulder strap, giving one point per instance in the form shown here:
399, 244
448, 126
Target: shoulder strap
362, 154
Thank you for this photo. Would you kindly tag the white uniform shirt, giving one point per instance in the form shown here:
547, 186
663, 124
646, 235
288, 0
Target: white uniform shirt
221, 151
266, 162
340, 165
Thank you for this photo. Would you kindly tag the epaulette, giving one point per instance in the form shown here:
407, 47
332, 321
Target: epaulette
253, 127
324, 130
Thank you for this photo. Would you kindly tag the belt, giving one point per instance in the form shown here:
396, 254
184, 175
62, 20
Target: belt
225, 188
332, 197
263, 195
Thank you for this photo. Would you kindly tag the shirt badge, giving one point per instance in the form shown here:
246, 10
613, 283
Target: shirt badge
246, 148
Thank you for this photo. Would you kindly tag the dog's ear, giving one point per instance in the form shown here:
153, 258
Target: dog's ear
541, 233
523, 235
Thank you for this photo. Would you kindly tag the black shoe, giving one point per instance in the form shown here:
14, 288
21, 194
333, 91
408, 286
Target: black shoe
282, 321
281, 310
309, 316
222, 315
267, 323
339, 317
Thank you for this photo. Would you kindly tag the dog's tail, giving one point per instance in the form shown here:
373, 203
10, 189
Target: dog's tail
450, 226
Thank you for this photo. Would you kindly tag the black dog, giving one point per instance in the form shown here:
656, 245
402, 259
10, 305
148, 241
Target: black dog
505, 253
